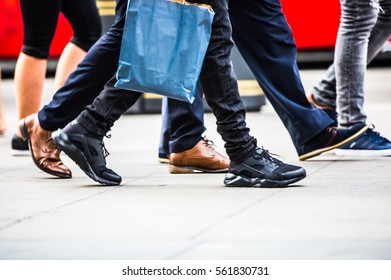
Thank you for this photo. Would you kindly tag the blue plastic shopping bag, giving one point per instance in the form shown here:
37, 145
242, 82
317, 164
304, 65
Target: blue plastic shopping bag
163, 47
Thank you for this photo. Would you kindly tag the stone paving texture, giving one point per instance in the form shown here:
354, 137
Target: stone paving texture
340, 211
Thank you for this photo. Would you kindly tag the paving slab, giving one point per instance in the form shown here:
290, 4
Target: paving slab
340, 211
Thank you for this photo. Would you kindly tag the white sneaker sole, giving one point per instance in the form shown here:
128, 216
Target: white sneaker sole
363, 153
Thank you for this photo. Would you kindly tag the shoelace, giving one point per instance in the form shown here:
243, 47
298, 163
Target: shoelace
209, 143
104, 150
262, 152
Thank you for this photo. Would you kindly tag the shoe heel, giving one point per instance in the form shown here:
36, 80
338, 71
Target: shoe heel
23, 129
180, 169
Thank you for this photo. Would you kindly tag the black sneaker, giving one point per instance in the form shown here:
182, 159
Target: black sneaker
329, 139
88, 151
19, 146
262, 170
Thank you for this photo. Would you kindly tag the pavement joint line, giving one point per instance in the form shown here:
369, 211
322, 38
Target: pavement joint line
208, 228
137, 179
18, 221
202, 241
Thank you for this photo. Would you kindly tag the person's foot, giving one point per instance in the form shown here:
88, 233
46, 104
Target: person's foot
329, 139
203, 157
44, 152
371, 143
87, 150
330, 111
19, 146
264, 171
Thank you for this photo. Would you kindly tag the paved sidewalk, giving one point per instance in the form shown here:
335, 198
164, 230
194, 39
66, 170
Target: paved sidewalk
340, 211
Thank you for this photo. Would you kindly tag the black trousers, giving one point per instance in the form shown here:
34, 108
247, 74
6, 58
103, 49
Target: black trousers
40, 19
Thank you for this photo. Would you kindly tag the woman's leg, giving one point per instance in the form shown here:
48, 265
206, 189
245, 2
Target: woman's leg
86, 24
31, 65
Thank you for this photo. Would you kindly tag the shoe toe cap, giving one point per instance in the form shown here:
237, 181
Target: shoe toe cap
299, 172
110, 175
56, 168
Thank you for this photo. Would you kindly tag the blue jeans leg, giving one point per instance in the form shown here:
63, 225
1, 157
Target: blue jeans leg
381, 32
182, 125
350, 59
325, 91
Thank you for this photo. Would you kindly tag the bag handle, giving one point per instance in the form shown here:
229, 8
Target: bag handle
183, 2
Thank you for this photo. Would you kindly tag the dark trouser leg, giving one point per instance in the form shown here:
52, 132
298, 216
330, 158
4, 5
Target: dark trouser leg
108, 106
265, 40
164, 148
220, 87
88, 80
186, 123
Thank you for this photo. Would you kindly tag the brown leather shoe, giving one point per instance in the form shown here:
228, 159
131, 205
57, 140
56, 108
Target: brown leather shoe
202, 158
44, 152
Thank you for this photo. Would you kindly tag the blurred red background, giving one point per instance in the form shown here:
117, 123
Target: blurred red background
314, 25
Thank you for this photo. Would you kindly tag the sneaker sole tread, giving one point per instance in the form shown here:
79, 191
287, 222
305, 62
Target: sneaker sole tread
242, 181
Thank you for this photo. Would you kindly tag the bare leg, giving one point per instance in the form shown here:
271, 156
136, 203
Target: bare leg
70, 58
30, 75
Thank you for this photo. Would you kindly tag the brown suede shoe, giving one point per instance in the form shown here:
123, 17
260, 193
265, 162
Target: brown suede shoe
331, 112
202, 158
44, 152
311, 99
